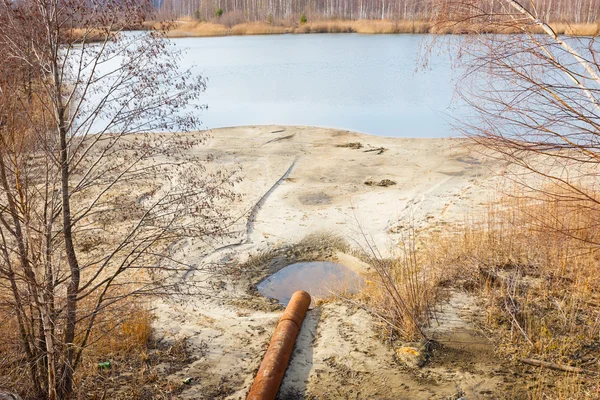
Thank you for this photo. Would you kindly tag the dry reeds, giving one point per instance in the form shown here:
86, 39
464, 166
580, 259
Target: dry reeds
257, 28
193, 28
188, 27
537, 265
121, 335
403, 290
88, 35
576, 29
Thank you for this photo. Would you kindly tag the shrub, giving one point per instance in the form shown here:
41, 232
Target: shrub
218, 13
270, 19
197, 14
303, 19
232, 18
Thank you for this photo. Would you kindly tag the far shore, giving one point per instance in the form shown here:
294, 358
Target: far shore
189, 27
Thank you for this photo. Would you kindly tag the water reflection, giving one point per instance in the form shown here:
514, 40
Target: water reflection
364, 83
319, 278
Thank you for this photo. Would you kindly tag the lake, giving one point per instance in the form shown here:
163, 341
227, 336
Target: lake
364, 83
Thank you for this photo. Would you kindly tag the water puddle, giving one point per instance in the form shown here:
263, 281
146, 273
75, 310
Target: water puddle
319, 278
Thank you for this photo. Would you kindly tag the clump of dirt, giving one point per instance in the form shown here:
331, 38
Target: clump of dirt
351, 145
359, 145
377, 150
381, 183
219, 390
413, 355
469, 160
317, 246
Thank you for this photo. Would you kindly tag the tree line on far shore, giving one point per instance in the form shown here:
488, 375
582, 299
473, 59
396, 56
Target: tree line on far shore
572, 11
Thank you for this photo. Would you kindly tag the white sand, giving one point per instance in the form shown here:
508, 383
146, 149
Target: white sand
437, 182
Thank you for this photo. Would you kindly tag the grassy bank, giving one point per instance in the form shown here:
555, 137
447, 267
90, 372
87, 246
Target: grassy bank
123, 361
188, 27
535, 267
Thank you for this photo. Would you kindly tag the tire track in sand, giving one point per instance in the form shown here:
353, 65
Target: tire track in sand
249, 223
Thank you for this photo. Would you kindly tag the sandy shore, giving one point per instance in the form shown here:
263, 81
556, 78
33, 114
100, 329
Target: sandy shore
436, 181
302, 180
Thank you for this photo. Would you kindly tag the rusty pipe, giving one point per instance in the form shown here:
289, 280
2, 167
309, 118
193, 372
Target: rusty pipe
272, 369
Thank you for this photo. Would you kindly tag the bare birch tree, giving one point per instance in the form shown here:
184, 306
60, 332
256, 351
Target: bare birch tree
575, 11
94, 191
536, 100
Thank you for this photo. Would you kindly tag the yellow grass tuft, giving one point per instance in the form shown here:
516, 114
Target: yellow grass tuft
257, 28
576, 29
195, 28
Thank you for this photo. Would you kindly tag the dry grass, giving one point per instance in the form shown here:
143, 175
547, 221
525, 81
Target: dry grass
403, 290
194, 28
577, 29
12, 368
257, 28
448, 28
78, 35
134, 359
188, 27
383, 27
122, 336
90, 34
537, 267
191, 28
364, 27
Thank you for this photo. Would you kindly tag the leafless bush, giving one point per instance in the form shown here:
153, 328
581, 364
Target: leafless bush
404, 289
232, 18
77, 140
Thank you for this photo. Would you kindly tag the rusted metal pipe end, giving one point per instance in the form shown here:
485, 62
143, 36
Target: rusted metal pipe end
272, 369
297, 307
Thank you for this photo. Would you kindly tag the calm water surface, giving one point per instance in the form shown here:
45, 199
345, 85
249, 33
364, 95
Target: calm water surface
364, 83
319, 278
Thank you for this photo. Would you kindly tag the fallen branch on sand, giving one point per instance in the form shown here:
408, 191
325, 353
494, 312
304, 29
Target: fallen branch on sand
279, 138
379, 150
558, 367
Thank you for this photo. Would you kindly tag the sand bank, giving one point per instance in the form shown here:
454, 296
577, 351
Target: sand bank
302, 180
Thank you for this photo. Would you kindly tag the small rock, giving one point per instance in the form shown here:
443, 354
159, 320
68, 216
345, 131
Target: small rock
382, 183
386, 183
411, 356
351, 145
